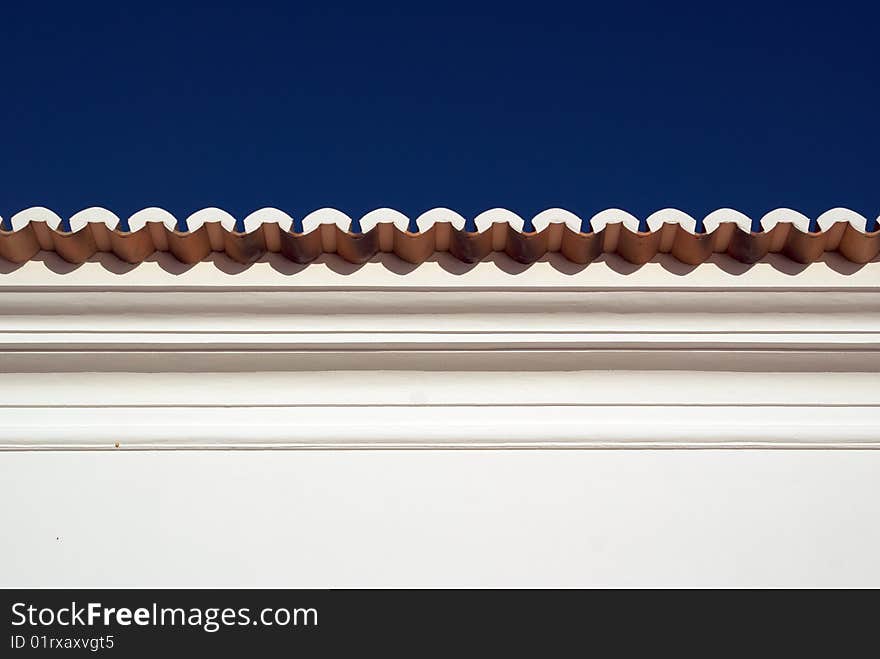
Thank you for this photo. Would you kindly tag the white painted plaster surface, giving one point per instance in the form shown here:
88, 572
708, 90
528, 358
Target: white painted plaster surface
440, 518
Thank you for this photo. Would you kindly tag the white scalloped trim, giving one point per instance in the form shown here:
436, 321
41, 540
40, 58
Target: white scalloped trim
614, 216
267, 216
95, 215
36, 214
439, 215
325, 216
385, 215
159, 215
500, 215
799, 220
827, 219
197, 219
656, 220
556, 216
483, 221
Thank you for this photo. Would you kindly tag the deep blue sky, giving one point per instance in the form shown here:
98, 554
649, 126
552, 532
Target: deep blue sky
415, 105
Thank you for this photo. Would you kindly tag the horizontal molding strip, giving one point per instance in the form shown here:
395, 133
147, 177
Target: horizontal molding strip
149, 361
363, 389
484, 426
440, 230
401, 341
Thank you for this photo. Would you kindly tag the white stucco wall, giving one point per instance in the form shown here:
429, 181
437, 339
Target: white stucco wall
440, 518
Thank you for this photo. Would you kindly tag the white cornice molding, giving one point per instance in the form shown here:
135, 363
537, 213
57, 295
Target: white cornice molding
387, 355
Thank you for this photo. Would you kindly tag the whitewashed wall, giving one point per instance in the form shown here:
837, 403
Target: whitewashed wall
440, 518
102, 361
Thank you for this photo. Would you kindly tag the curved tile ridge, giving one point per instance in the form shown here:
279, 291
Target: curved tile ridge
414, 239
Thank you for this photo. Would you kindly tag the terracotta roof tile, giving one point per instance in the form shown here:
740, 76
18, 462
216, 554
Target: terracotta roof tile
580, 240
